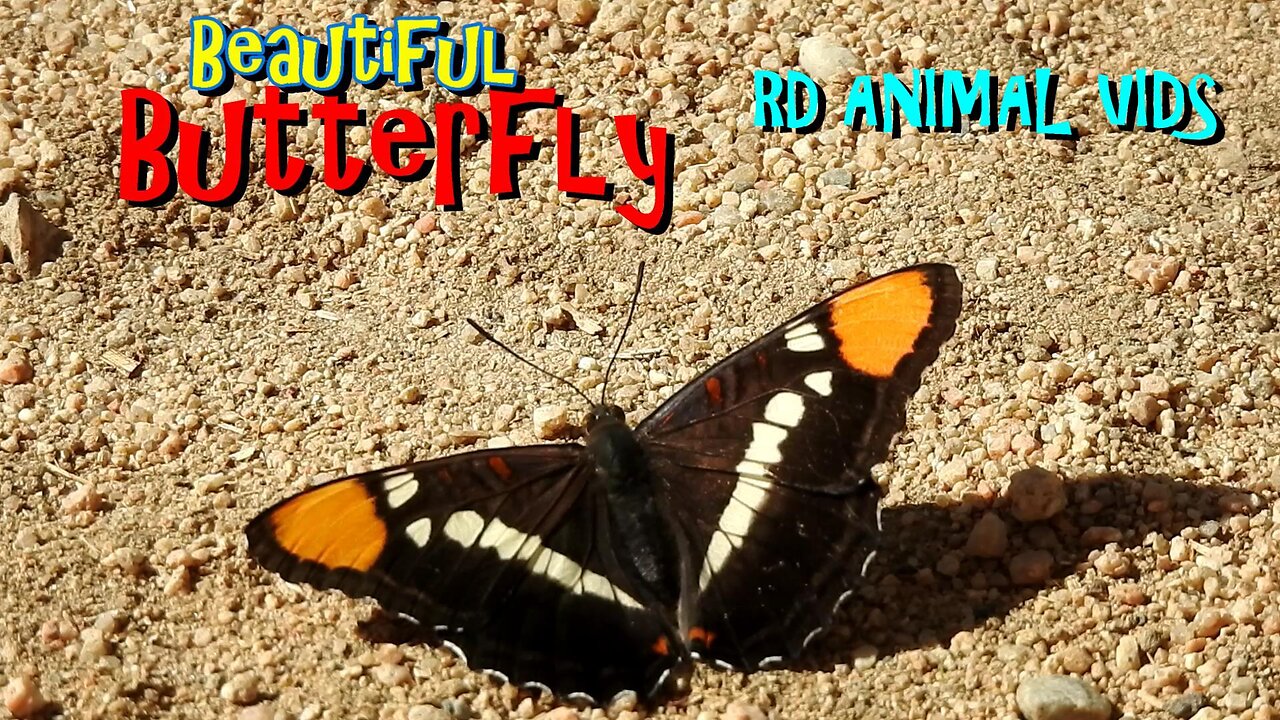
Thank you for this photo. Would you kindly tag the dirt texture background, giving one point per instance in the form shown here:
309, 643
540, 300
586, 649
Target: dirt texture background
1119, 332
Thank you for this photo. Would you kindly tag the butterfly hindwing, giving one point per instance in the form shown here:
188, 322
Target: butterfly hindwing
505, 553
765, 460
773, 562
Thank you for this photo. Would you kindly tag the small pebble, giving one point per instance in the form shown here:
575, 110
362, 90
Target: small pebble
987, 269
16, 369
557, 317
1059, 23
1075, 660
306, 300
241, 689
1153, 271
578, 12
742, 711
1113, 564
953, 471
1128, 654
1155, 385
93, 646
1210, 621
22, 697
132, 562
1143, 408
989, 537
29, 238
1031, 567
780, 201
83, 499
1186, 705
837, 176
1058, 697
826, 60
864, 656
550, 421
1035, 494
391, 675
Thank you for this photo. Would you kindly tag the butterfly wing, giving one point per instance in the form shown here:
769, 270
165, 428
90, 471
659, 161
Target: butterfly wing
506, 553
764, 461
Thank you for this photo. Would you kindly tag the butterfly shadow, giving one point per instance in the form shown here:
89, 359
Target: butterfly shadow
925, 586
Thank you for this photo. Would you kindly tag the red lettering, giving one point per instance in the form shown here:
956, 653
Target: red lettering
141, 150
507, 148
568, 150
413, 133
657, 173
341, 172
285, 173
451, 119
400, 146
194, 153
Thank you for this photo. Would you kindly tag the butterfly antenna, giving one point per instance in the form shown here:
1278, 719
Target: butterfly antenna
489, 336
635, 296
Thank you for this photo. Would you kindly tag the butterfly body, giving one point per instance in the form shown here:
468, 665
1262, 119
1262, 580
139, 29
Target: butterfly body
726, 527
621, 467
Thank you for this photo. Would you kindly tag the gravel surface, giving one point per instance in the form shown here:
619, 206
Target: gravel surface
173, 371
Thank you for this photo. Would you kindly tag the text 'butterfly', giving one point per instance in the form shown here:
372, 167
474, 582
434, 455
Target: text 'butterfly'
726, 527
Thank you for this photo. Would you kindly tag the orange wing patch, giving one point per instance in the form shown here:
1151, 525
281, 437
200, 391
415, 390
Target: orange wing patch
334, 525
500, 467
702, 635
713, 391
660, 646
877, 323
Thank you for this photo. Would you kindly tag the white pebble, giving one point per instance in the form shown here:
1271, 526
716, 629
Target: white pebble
242, 689
1128, 654
550, 421
826, 60
1058, 697
742, 711
987, 269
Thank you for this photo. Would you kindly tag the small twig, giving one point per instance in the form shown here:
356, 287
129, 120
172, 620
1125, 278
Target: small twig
53, 468
641, 354
120, 361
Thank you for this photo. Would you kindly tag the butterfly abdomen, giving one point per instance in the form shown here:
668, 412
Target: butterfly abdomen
638, 529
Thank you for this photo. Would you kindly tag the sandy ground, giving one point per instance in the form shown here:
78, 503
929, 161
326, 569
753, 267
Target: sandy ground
1119, 331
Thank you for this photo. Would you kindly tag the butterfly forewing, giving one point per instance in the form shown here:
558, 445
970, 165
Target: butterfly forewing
505, 553
765, 460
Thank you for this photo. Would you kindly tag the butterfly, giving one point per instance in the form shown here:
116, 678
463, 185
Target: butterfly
726, 527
